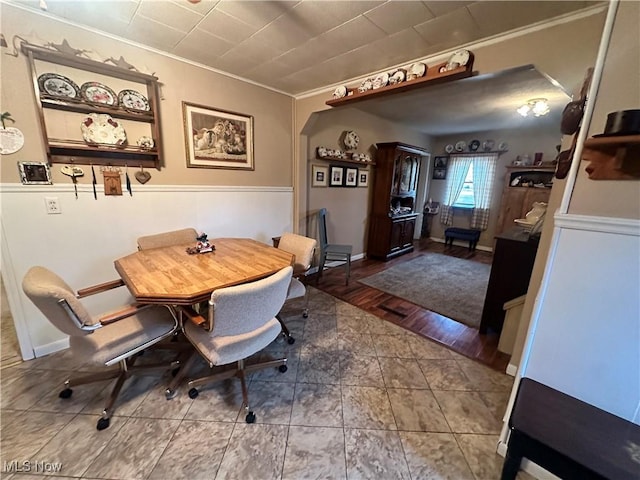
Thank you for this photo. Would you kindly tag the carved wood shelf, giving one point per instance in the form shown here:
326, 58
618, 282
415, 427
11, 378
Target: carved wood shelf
433, 76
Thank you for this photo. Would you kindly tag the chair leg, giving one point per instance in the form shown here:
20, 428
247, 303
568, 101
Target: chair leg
348, 269
323, 259
305, 310
250, 417
185, 362
285, 331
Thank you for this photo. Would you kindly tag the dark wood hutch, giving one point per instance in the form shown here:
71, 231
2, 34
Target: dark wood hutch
393, 209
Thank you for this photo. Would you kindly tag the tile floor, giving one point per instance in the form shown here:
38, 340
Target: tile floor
362, 398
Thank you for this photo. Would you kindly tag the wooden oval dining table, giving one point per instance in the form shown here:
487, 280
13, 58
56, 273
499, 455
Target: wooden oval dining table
171, 276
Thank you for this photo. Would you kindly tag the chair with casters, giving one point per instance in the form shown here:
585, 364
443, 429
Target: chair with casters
330, 251
167, 239
303, 248
116, 339
241, 322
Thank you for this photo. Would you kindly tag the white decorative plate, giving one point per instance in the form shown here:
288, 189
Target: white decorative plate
380, 81
448, 148
133, 100
95, 92
398, 76
417, 70
367, 84
58, 85
461, 57
100, 128
145, 142
340, 92
461, 145
503, 147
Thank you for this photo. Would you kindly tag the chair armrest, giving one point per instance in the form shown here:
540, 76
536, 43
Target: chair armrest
121, 314
102, 287
194, 316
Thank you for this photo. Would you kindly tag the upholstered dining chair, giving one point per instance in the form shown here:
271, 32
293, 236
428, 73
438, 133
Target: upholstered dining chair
331, 252
303, 248
167, 239
114, 339
241, 322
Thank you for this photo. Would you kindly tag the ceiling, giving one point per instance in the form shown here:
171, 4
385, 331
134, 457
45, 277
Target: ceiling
298, 47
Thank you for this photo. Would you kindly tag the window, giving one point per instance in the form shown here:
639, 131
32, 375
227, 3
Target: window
465, 198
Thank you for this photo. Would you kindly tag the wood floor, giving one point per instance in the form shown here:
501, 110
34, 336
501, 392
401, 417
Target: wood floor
456, 336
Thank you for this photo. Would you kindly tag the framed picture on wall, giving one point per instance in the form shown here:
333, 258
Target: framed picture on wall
336, 178
363, 178
350, 177
217, 138
439, 173
319, 175
440, 162
34, 173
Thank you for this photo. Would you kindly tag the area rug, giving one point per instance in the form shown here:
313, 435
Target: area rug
453, 287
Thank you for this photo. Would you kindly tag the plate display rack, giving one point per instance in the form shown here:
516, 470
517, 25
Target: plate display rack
76, 151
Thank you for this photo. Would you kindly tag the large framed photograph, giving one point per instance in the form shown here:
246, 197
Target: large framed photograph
363, 178
336, 178
440, 162
34, 173
350, 177
319, 175
217, 138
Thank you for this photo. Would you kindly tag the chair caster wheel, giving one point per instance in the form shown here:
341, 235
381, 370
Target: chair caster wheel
305, 315
291, 340
169, 394
175, 371
283, 368
193, 393
103, 423
250, 418
66, 393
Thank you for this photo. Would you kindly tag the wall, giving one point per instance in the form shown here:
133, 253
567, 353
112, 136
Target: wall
82, 242
521, 142
579, 40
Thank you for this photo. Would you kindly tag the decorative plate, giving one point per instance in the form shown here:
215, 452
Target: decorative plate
58, 85
461, 58
398, 76
461, 145
367, 84
448, 148
95, 92
474, 145
102, 129
351, 140
380, 81
145, 142
340, 92
417, 70
487, 145
133, 100
503, 147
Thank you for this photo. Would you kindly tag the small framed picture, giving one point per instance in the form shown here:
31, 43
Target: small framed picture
363, 178
337, 176
319, 175
35, 173
350, 177
440, 162
439, 173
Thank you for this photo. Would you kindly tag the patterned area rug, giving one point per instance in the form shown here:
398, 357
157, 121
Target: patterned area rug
453, 287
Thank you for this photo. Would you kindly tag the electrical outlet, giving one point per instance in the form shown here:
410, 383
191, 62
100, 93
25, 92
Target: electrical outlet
52, 205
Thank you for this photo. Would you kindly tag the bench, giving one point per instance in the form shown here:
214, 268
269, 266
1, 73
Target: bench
468, 234
568, 437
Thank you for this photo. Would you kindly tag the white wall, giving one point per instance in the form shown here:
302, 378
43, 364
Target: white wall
83, 241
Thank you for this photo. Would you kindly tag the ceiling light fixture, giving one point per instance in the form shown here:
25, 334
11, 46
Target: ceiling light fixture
537, 106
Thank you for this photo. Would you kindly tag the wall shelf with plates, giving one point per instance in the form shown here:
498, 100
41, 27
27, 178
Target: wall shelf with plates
99, 116
433, 76
345, 160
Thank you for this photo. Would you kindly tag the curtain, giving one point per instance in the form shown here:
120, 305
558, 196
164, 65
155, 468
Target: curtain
484, 169
458, 168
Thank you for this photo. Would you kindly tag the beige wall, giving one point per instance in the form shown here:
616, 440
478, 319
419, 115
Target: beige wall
562, 51
272, 112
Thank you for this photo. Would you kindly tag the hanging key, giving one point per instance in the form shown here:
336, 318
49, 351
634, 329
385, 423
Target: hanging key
73, 172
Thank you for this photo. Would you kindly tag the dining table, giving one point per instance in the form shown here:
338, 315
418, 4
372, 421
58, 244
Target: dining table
173, 276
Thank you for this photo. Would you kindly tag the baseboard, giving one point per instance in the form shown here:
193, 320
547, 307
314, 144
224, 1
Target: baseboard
511, 369
53, 347
462, 243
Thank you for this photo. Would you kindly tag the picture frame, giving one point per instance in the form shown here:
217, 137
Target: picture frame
336, 178
363, 178
439, 173
35, 173
217, 138
319, 175
350, 177
440, 162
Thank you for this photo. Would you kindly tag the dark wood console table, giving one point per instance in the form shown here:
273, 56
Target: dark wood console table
568, 437
513, 258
